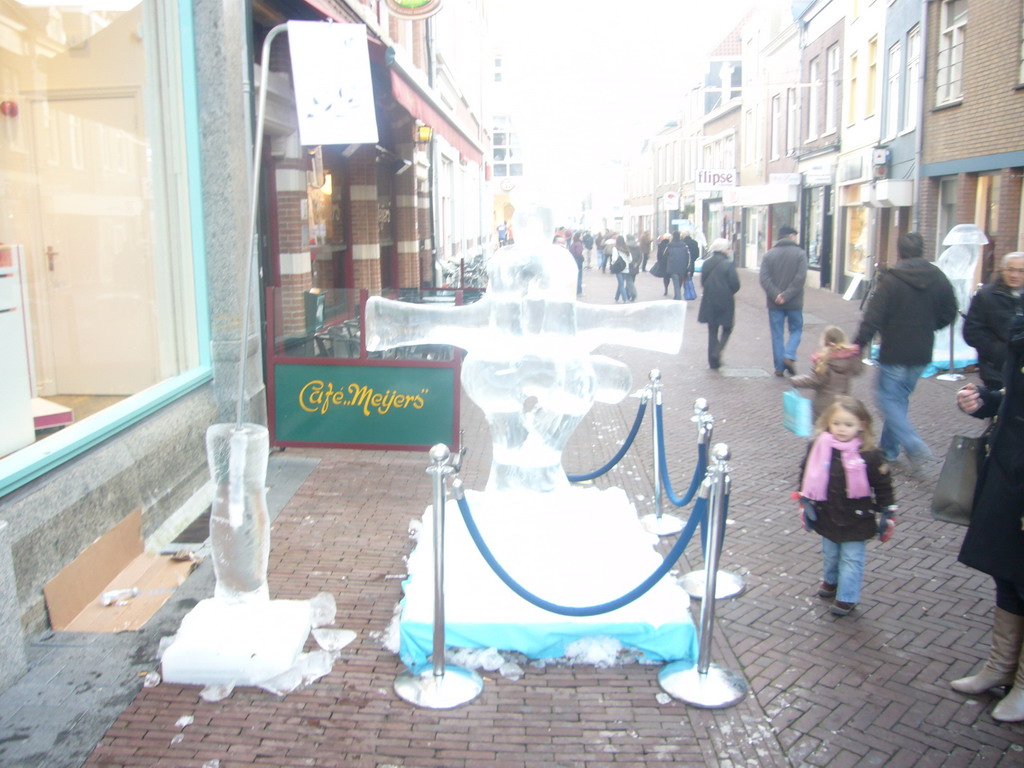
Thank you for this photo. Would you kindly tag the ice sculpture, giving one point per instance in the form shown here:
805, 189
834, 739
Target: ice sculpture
530, 367
239, 521
959, 262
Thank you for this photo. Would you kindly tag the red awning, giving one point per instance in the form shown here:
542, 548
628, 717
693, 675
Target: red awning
423, 110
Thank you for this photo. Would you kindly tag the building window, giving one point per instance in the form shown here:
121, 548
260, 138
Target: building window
912, 98
892, 93
748, 137
872, 84
952, 39
505, 150
776, 127
1020, 74
497, 69
97, 236
792, 120
851, 100
813, 88
832, 85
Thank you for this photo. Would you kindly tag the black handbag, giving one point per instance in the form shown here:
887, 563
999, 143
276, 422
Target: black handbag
658, 270
953, 499
618, 265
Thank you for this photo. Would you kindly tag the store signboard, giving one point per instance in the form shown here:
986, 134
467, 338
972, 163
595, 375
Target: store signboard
416, 9
333, 90
370, 405
715, 179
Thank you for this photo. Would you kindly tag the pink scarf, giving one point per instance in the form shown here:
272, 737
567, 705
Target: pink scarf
815, 485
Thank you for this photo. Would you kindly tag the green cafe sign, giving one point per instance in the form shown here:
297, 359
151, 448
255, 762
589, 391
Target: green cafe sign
418, 9
363, 405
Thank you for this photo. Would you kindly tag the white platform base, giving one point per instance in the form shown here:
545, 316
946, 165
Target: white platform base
247, 644
577, 547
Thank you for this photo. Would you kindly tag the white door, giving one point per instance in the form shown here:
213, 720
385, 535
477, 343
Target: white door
94, 252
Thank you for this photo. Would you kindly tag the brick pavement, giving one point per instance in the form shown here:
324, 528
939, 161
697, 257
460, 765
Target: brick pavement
867, 689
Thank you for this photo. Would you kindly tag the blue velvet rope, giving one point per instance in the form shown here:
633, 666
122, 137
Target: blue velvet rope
622, 451
698, 471
593, 610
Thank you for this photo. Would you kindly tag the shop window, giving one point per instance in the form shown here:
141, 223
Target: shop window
856, 239
97, 257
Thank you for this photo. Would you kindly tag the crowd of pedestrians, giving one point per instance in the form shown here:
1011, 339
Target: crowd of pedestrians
846, 490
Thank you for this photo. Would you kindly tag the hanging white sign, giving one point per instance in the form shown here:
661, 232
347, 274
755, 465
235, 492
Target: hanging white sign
333, 89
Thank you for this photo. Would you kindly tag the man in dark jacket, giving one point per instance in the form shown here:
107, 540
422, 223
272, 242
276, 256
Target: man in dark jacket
987, 325
912, 301
783, 273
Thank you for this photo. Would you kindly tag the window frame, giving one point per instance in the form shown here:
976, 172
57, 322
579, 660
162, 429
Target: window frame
912, 95
894, 61
949, 59
33, 461
833, 82
813, 74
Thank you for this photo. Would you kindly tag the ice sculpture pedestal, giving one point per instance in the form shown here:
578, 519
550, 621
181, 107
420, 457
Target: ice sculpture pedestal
221, 643
572, 547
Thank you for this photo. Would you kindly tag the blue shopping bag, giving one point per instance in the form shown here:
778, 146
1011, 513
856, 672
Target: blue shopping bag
796, 413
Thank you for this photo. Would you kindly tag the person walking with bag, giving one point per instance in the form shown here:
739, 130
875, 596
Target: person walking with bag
832, 366
845, 481
620, 260
719, 284
994, 543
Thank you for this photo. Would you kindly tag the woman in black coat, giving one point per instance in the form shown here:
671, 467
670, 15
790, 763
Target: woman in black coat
988, 320
994, 543
719, 283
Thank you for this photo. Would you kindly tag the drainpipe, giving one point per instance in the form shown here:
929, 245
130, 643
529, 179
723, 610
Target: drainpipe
919, 133
434, 154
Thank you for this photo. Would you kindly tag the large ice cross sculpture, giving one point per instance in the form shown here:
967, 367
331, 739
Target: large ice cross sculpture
529, 364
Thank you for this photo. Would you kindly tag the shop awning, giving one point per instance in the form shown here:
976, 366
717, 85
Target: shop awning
420, 108
760, 194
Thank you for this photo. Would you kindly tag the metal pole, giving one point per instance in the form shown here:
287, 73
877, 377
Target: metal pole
439, 455
250, 271
705, 684
659, 524
436, 685
727, 583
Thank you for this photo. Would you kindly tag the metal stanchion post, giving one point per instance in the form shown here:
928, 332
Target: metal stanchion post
658, 523
434, 685
705, 684
727, 584
951, 374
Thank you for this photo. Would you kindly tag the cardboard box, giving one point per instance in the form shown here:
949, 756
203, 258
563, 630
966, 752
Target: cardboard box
114, 561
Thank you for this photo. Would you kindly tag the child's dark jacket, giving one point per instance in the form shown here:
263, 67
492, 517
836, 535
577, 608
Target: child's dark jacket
842, 519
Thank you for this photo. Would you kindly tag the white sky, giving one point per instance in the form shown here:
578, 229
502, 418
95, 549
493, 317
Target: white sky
593, 78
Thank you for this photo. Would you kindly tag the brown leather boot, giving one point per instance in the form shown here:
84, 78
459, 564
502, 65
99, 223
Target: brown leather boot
1007, 638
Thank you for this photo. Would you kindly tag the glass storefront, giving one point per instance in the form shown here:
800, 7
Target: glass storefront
97, 270
856, 240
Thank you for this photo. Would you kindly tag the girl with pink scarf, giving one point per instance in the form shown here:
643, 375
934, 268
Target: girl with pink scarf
845, 481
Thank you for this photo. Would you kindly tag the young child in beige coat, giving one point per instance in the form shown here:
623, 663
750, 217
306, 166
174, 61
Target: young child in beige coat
832, 366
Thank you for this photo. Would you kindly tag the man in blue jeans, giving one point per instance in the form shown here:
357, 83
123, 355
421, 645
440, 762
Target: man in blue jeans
912, 301
783, 273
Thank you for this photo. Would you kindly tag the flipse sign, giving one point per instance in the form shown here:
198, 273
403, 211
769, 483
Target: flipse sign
711, 179
416, 9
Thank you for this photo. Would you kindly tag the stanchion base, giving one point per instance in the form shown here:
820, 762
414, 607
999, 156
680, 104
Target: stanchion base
949, 377
666, 525
455, 687
727, 584
717, 689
